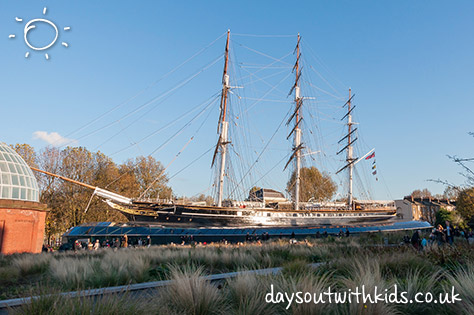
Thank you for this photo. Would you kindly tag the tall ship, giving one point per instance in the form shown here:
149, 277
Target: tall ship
263, 207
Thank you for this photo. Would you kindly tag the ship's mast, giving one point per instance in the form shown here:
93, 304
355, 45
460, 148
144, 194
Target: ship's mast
349, 159
223, 127
298, 145
350, 141
298, 103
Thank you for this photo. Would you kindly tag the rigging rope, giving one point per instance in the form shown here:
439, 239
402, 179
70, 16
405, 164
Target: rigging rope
170, 124
257, 35
192, 162
149, 102
148, 87
261, 53
163, 171
197, 130
268, 143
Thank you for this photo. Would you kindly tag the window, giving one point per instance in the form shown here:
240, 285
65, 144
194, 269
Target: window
16, 178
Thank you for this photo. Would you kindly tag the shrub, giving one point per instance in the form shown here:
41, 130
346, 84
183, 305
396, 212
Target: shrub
189, 293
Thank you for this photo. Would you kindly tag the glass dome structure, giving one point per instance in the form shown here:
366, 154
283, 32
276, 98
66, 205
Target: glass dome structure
16, 178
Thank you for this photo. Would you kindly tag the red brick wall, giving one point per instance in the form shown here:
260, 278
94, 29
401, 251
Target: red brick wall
21, 226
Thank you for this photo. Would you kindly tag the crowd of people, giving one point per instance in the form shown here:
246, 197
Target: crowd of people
114, 243
439, 235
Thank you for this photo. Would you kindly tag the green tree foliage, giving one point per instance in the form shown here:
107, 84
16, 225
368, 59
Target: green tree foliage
442, 216
313, 184
67, 202
465, 205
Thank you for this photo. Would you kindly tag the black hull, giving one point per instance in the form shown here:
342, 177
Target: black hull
207, 217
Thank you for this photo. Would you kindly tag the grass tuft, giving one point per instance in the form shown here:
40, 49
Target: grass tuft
190, 294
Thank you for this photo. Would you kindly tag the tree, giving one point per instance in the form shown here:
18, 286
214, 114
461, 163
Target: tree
67, 202
425, 193
465, 205
442, 216
149, 177
451, 193
313, 184
27, 152
464, 163
202, 197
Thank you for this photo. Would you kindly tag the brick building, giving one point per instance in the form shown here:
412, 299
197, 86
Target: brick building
22, 217
422, 209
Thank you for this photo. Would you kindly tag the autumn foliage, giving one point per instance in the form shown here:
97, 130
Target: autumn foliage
67, 202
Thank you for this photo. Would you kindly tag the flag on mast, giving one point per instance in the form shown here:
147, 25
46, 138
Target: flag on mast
370, 156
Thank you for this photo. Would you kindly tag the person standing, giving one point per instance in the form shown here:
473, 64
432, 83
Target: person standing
125, 241
415, 239
449, 233
424, 243
96, 245
77, 246
440, 235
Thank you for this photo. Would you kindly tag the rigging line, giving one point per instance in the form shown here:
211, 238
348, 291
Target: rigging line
170, 123
149, 102
263, 100
263, 78
261, 53
179, 131
323, 65
269, 65
139, 118
192, 162
324, 91
197, 130
150, 86
202, 192
163, 171
244, 125
242, 161
386, 186
260, 67
234, 190
268, 92
263, 176
329, 84
257, 35
174, 135
263, 150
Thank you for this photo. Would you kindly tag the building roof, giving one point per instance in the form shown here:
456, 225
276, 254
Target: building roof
17, 181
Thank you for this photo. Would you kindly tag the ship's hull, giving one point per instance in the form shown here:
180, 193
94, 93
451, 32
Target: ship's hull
193, 216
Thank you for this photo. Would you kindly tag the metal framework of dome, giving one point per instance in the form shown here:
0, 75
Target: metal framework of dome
17, 181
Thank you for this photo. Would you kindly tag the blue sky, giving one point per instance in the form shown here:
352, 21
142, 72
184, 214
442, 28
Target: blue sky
410, 64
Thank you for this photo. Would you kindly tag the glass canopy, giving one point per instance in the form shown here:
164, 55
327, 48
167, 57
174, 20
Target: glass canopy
16, 178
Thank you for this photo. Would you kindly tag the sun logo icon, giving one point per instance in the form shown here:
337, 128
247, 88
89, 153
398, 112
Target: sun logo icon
30, 25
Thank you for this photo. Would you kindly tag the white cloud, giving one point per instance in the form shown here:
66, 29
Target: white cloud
53, 138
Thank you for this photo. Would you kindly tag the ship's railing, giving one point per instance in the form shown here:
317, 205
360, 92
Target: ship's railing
155, 200
244, 204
